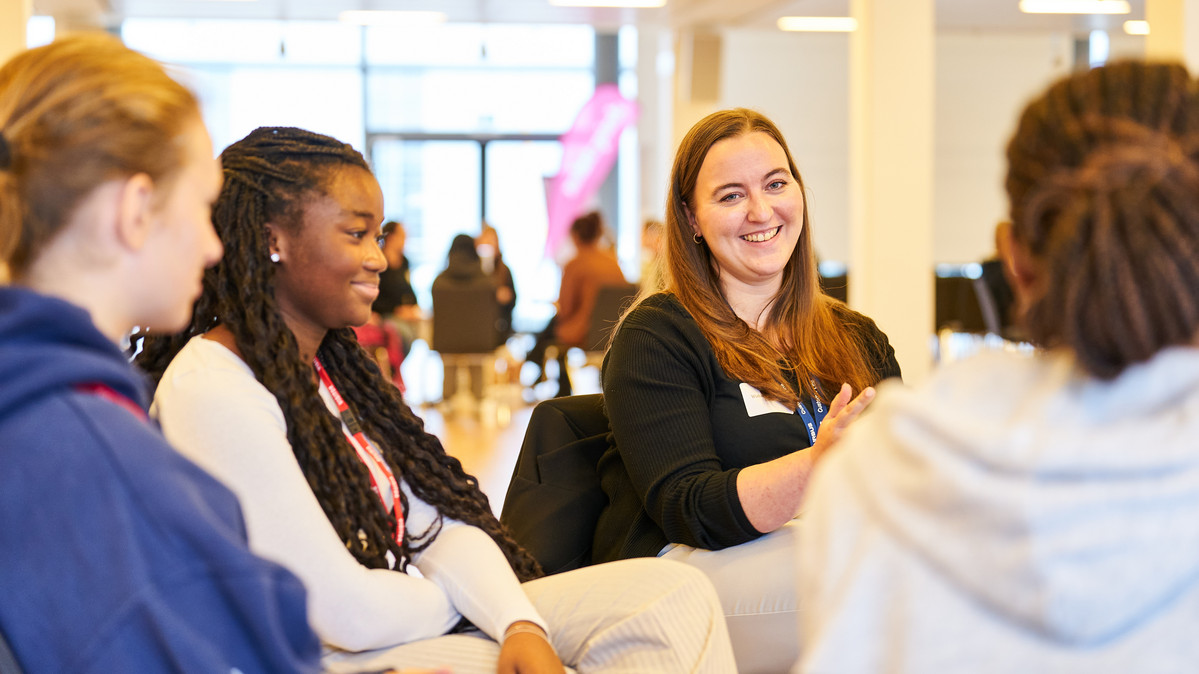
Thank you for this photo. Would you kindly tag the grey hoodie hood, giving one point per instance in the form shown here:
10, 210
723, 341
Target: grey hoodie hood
1067, 504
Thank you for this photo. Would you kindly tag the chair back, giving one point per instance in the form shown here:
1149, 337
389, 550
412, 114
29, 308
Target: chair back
957, 305
836, 287
465, 319
555, 499
610, 302
987, 307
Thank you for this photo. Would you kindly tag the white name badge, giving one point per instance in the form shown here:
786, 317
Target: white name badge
756, 405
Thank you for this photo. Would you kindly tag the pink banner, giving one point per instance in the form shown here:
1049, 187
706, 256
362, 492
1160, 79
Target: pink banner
588, 154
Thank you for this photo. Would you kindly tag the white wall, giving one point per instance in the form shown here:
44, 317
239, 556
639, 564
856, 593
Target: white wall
983, 82
14, 17
801, 81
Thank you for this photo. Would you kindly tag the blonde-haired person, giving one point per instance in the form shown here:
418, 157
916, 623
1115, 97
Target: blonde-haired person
1038, 514
652, 235
716, 387
119, 555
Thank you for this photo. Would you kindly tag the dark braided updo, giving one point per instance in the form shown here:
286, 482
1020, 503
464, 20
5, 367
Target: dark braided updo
268, 177
1104, 194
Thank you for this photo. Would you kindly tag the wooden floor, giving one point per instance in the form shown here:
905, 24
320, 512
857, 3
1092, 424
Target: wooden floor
486, 438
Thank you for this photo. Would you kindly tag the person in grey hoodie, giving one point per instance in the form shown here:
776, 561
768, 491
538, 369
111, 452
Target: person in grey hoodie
1040, 514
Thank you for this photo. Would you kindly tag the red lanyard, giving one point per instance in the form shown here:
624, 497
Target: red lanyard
112, 396
359, 442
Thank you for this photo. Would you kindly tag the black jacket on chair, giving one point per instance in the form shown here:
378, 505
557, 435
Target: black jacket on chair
555, 498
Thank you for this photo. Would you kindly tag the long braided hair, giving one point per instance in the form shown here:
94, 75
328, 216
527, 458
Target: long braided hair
268, 177
1104, 193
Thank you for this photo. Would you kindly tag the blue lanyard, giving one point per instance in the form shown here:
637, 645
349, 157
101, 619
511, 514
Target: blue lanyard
810, 420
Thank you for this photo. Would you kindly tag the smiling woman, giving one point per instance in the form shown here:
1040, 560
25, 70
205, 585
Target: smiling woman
750, 211
329, 262
717, 387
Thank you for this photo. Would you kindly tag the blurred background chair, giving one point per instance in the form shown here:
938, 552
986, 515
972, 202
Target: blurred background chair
836, 286
957, 305
610, 302
466, 337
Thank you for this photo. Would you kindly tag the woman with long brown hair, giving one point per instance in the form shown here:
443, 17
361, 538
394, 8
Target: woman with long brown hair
722, 388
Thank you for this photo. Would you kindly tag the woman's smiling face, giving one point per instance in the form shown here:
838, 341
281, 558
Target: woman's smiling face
329, 269
749, 210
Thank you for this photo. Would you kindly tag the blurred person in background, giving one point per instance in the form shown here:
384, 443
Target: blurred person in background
396, 302
492, 258
652, 246
592, 267
464, 270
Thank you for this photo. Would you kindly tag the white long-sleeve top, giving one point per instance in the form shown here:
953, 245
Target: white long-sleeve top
215, 412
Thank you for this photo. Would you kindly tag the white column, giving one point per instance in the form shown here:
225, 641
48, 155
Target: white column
1173, 32
14, 15
655, 126
697, 68
891, 107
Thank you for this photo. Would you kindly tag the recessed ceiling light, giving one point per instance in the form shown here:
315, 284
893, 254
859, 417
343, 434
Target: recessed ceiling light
379, 17
640, 4
1136, 27
820, 24
1075, 6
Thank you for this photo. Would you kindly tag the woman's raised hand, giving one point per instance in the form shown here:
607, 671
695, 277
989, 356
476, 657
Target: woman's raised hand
842, 412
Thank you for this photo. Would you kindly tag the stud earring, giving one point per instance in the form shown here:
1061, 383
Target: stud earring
275, 258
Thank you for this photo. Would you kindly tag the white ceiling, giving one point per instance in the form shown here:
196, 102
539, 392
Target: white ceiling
984, 15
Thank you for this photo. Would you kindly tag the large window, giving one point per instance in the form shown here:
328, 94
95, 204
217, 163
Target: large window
458, 120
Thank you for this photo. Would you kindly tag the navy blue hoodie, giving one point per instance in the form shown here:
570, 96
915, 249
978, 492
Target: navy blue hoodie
116, 553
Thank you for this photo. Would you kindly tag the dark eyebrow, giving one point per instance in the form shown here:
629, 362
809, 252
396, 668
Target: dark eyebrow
725, 187
365, 215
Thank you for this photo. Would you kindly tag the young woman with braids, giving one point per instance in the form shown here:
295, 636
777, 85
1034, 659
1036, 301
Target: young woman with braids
268, 389
1041, 514
116, 553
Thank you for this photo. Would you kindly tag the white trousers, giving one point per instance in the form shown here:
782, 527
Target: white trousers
632, 616
756, 585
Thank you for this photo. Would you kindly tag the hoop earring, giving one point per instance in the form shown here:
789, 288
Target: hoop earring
697, 238
275, 258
